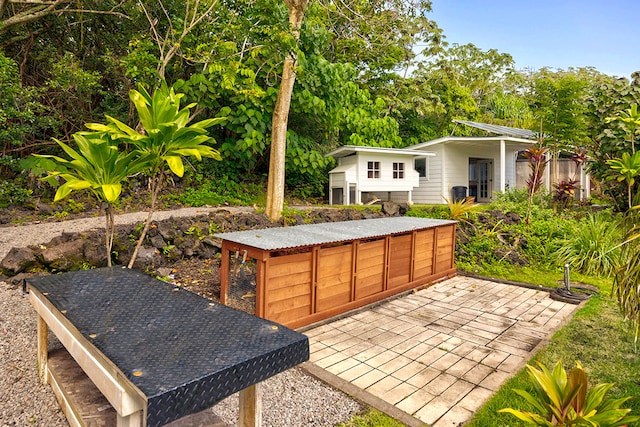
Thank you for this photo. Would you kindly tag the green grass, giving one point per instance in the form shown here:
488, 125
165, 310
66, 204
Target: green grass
537, 276
598, 337
372, 418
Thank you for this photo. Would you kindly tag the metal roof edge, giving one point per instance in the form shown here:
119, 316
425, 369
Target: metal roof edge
445, 139
350, 149
306, 235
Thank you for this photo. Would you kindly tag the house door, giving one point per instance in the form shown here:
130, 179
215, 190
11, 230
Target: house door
336, 196
485, 180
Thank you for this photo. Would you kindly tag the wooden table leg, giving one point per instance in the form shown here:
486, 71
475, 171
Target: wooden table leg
133, 420
43, 350
250, 407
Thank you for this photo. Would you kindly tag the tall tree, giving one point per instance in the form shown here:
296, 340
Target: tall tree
559, 104
481, 72
275, 185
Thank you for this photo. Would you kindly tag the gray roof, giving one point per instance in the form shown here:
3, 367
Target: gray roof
347, 150
329, 232
499, 130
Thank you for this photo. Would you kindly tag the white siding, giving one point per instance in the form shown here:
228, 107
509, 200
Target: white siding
386, 182
429, 190
456, 168
450, 168
511, 178
353, 171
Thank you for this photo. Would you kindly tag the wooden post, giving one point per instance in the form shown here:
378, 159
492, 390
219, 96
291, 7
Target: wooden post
355, 245
133, 420
43, 350
314, 278
414, 237
262, 268
387, 256
224, 274
250, 407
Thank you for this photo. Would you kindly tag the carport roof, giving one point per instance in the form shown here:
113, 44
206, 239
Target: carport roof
499, 130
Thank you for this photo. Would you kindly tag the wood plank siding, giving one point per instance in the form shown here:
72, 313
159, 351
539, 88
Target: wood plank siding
303, 285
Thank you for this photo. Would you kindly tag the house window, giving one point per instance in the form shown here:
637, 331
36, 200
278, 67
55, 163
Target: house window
420, 165
398, 170
373, 169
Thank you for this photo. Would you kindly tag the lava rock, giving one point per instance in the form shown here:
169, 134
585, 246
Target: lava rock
18, 260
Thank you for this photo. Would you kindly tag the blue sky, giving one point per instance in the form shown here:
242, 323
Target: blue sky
545, 33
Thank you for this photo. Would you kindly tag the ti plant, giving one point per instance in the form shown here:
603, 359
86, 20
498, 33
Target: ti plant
628, 169
536, 155
166, 138
561, 400
99, 166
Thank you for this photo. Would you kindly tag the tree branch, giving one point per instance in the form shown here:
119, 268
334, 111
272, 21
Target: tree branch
36, 9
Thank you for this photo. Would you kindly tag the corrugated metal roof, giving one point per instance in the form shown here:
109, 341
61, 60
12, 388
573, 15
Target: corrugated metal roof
330, 232
500, 130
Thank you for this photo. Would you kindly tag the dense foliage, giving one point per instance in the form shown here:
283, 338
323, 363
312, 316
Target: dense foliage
369, 73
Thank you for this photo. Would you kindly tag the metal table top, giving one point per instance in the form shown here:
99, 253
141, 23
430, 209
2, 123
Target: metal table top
182, 351
329, 232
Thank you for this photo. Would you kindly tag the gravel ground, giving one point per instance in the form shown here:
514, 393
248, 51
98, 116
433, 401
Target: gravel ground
290, 399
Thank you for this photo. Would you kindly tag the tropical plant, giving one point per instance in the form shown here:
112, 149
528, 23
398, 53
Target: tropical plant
459, 210
166, 138
537, 157
565, 191
559, 103
593, 248
631, 118
628, 168
627, 277
98, 166
561, 400
609, 138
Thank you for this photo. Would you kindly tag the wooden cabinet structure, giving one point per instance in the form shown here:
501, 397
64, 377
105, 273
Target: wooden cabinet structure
307, 273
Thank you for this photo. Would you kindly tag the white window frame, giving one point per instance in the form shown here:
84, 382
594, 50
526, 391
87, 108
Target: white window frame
373, 170
398, 170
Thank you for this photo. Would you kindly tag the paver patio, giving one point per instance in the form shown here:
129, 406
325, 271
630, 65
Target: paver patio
436, 355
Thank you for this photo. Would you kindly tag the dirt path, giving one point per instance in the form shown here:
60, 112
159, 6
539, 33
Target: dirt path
33, 234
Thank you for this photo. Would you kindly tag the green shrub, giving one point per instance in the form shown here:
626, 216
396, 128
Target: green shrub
12, 193
218, 192
428, 211
592, 246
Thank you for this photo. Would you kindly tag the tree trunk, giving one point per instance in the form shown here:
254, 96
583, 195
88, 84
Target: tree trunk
275, 186
156, 185
109, 231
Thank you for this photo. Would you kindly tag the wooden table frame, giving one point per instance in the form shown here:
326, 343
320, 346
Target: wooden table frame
127, 400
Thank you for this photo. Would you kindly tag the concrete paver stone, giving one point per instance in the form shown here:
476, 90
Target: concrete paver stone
437, 354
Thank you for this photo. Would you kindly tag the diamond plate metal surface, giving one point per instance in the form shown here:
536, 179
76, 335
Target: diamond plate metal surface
182, 351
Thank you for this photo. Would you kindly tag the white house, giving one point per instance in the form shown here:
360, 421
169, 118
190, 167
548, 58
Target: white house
477, 166
434, 171
366, 174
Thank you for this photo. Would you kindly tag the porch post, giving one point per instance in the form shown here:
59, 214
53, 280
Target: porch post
503, 173
345, 192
